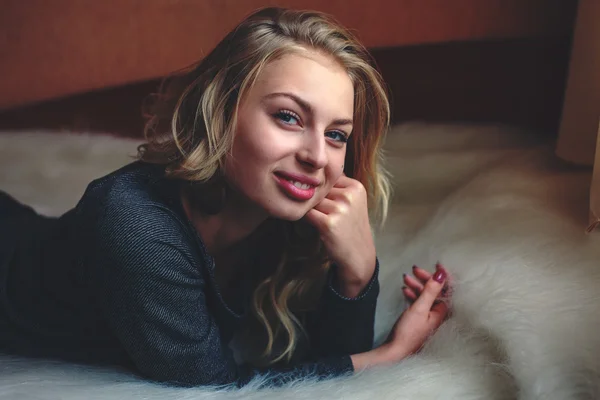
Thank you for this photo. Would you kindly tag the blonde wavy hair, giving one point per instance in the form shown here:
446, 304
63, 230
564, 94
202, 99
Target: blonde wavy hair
191, 128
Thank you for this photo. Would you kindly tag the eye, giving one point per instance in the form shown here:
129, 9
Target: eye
287, 117
338, 136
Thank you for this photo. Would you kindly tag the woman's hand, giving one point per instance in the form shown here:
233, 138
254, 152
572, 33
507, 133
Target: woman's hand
342, 219
414, 285
423, 317
426, 312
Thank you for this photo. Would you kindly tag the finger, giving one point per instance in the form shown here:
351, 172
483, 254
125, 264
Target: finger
417, 286
343, 181
421, 274
317, 218
345, 195
413, 283
337, 193
430, 292
327, 206
409, 294
447, 291
439, 266
424, 275
438, 312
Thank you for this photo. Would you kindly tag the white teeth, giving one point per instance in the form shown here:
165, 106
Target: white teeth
300, 185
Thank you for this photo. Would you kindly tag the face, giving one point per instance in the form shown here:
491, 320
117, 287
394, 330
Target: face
290, 139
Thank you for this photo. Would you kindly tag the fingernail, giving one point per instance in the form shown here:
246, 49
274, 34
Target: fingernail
413, 267
439, 276
438, 265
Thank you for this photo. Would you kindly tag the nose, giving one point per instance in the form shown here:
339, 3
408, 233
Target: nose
314, 151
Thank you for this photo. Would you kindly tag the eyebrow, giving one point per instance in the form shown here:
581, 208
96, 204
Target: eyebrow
306, 107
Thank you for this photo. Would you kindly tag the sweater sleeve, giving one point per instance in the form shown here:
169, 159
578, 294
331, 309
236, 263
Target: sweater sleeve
343, 325
153, 295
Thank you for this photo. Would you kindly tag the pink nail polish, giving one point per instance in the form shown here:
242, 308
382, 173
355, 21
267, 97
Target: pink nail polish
439, 276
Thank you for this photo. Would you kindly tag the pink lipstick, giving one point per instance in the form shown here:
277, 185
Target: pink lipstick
298, 187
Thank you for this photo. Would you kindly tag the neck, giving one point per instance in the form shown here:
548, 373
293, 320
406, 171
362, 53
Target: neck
223, 231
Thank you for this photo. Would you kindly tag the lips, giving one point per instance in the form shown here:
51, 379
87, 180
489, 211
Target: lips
290, 176
297, 187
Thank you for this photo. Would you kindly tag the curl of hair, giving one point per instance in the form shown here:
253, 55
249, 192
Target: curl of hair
191, 125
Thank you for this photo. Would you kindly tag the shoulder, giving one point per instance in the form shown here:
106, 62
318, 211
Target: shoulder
135, 181
134, 223
134, 208
135, 190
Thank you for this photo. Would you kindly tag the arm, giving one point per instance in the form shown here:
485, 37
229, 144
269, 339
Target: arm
152, 294
345, 320
343, 325
425, 314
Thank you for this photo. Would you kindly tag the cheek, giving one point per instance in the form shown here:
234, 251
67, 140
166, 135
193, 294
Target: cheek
332, 177
240, 162
335, 175
245, 152
259, 140
253, 154
241, 168
336, 166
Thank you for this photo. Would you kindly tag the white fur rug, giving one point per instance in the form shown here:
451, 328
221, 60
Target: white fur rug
491, 203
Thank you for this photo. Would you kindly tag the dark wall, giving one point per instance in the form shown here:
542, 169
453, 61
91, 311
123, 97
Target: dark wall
519, 82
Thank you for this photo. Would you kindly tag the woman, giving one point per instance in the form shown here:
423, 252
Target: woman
245, 221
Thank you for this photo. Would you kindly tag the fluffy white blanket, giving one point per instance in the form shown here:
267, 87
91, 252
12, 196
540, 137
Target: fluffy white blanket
491, 203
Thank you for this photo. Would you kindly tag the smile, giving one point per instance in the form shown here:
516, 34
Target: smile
295, 189
301, 185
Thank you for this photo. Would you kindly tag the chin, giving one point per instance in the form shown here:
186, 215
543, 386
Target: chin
278, 205
289, 213
287, 209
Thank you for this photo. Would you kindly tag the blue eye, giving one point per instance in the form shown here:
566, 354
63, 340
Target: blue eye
337, 136
287, 117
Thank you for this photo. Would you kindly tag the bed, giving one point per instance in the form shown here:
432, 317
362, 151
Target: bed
493, 203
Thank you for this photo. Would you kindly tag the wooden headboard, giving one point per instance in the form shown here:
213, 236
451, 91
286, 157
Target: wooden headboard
53, 49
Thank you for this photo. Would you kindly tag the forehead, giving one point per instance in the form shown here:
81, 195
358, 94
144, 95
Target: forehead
318, 79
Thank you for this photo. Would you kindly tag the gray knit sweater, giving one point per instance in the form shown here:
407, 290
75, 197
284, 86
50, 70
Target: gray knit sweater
124, 279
